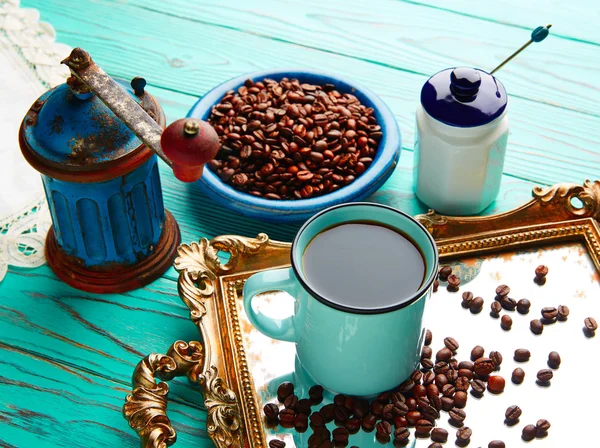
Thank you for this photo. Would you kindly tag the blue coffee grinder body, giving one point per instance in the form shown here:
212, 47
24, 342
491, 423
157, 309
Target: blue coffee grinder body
110, 232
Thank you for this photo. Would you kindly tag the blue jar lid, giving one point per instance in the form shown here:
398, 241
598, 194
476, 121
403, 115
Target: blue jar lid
77, 132
464, 97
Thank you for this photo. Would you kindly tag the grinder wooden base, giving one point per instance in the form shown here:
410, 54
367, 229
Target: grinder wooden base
115, 278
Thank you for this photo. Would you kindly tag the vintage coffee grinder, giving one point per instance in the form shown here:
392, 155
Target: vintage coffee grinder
95, 142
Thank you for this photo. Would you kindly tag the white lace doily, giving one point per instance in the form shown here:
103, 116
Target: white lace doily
30, 61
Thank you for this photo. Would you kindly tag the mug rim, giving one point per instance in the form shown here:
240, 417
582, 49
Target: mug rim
404, 302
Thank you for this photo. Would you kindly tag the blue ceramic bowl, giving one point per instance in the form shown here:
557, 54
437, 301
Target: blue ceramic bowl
378, 172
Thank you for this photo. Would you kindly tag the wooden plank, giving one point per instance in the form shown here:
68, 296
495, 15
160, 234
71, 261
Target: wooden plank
46, 404
575, 20
404, 36
544, 139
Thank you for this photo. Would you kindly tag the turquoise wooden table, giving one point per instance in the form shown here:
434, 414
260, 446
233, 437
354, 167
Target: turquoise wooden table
66, 357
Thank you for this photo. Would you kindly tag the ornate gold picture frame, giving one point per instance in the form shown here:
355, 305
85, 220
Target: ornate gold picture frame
562, 213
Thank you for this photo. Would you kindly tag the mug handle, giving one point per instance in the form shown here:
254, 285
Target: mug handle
272, 280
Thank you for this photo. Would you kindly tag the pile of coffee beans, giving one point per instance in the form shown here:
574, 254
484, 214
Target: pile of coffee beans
443, 384
292, 140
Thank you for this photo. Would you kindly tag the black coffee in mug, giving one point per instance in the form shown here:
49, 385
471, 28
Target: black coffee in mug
363, 265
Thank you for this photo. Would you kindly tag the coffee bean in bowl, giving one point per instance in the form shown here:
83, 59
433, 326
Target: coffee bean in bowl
296, 142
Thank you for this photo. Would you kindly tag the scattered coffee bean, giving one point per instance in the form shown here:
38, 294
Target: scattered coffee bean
339, 400
388, 411
522, 355
319, 438
439, 435
590, 326
467, 297
287, 417
428, 337
496, 444
284, 390
496, 308
443, 355
541, 271
377, 408
303, 406
496, 384
447, 403
477, 387
463, 435
466, 365
457, 417
428, 378
301, 423
502, 290
413, 417
543, 425
368, 422
460, 399
545, 375
383, 428
401, 434
496, 357
518, 376
477, 352
415, 377
549, 313
451, 344
508, 304
436, 445
451, 375
448, 390
453, 283
529, 433
466, 373
541, 281
513, 413
554, 360
423, 427
276, 443
563, 312
290, 402
315, 394
411, 403
483, 366
462, 383
476, 305
350, 402
436, 285
441, 367
419, 391
426, 352
400, 421
340, 435
536, 326
328, 412
323, 139
362, 407
506, 322
271, 411
445, 272
341, 414
317, 419
523, 306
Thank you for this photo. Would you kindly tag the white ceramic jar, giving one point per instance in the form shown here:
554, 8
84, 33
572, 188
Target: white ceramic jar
460, 141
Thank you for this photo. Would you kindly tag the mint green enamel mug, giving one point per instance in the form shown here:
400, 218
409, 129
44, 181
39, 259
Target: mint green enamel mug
347, 350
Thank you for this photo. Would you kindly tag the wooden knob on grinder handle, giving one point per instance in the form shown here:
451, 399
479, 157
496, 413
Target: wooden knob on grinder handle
189, 143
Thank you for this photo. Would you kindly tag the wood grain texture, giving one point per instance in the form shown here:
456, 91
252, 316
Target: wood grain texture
67, 356
47, 404
544, 138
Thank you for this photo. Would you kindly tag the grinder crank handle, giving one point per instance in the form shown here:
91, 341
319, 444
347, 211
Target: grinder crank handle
185, 145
